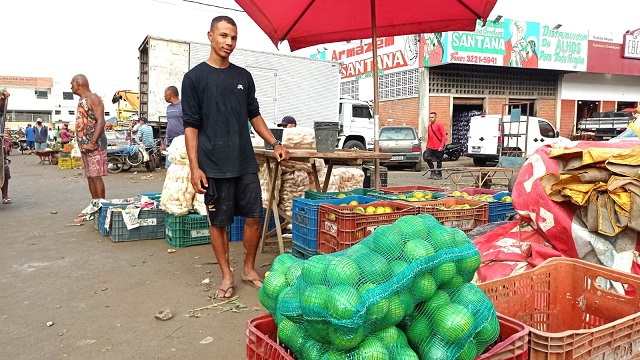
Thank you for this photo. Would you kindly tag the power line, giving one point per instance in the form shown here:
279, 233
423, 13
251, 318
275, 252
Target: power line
215, 6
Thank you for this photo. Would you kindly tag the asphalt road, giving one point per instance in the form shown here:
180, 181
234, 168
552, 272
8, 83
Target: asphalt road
100, 297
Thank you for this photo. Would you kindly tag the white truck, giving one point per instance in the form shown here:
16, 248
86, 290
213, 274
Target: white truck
307, 89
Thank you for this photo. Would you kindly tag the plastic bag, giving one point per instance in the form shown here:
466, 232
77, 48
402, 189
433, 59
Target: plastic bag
178, 151
177, 191
299, 138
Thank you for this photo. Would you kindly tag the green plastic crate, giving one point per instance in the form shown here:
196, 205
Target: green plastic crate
186, 230
314, 195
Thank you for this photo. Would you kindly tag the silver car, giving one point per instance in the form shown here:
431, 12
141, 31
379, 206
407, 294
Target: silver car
404, 145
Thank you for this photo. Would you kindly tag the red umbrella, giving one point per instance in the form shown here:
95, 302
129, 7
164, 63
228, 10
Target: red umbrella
306, 23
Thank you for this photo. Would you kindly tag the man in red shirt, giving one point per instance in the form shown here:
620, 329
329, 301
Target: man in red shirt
436, 138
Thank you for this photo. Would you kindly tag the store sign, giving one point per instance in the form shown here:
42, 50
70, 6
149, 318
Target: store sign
483, 46
395, 53
606, 55
35, 82
632, 44
563, 49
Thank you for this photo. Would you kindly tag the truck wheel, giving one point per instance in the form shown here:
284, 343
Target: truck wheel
354, 144
480, 162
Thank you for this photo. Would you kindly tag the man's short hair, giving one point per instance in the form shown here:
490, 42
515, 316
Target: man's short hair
173, 90
433, 113
218, 19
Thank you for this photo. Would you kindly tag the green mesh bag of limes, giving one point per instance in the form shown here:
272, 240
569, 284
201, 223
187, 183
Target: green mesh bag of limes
413, 273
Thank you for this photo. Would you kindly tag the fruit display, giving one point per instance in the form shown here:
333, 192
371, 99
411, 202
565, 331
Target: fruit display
415, 196
413, 273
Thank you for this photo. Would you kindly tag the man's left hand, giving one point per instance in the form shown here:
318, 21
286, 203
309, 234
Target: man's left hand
281, 153
87, 148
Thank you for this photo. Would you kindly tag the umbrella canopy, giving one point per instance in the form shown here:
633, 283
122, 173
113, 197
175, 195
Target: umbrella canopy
306, 23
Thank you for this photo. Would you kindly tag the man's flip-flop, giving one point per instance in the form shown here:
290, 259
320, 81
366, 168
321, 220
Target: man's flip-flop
225, 292
6, 201
253, 281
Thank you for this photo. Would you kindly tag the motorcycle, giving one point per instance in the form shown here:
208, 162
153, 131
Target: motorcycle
453, 151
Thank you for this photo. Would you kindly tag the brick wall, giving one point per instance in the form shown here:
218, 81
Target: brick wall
608, 106
494, 106
567, 117
547, 110
442, 106
403, 112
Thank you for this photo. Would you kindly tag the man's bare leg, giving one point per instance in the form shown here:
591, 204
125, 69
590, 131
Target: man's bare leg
96, 187
220, 244
251, 240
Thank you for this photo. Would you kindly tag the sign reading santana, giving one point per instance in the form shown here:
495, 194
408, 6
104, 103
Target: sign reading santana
632, 44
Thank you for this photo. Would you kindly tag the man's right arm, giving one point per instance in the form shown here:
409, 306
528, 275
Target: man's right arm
192, 120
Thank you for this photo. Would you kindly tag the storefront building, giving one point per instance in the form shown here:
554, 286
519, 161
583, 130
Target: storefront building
563, 74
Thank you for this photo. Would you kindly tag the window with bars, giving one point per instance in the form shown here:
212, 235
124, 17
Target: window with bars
483, 80
399, 84
350, 89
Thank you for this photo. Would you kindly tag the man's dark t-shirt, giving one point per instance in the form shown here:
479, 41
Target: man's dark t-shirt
218, 102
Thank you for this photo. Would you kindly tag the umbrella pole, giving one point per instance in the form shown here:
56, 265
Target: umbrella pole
376, 104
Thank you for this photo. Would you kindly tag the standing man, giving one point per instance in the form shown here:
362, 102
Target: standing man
30, 135
175, 127
436, 138
41, 137
218, 98
145, 136
90, 136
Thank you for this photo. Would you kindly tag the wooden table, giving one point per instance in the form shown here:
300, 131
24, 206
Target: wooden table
479, 175
303, 155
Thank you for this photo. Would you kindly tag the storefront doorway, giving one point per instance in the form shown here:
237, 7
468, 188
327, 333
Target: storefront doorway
626, 105
463, 110
526, 106
585, 109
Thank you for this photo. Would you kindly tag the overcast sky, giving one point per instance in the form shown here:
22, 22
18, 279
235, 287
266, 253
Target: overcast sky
100, 38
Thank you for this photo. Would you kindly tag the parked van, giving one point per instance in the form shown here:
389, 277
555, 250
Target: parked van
484, 137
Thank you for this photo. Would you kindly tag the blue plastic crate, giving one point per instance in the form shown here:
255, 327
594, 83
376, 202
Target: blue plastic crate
151, 226
305, 218
499, 210
101, 215
302, 253
237, 228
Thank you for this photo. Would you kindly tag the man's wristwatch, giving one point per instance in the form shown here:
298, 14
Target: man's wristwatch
276, 143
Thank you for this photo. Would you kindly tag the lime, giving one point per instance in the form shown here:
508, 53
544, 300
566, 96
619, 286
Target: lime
333, 355
460, 238
317, 329
412, 227
315, 269
469, 351
468, 267
437, 301
376, 310
434, 349
472, 297
404, 353
283, 262
454, 283
355, 250
289, 304
269, 303
314, 350
399, 306
343, 271
292, 335
373, 267
417, 249
391, 336
452, 322
386, 241
342, 302
294, 273
441, 238
444, 273
273, 284
371, 349
314, 301
418, 329
345, 340
396, 267
487, 334
423, 287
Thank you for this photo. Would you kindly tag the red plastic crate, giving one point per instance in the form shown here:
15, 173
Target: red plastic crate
262, 340
463, 219
348, 227
569, 315
512, 343
411, 188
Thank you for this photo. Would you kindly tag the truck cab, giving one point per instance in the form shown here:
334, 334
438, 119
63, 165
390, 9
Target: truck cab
484, 137
356, 125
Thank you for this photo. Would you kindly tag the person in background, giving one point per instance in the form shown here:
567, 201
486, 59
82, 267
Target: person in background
135, 125
4, 98
145, 135
436, 138
288, 122
41, 135
218, 98
65, 135
30, 135
175, 127
91, 138
8, 145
